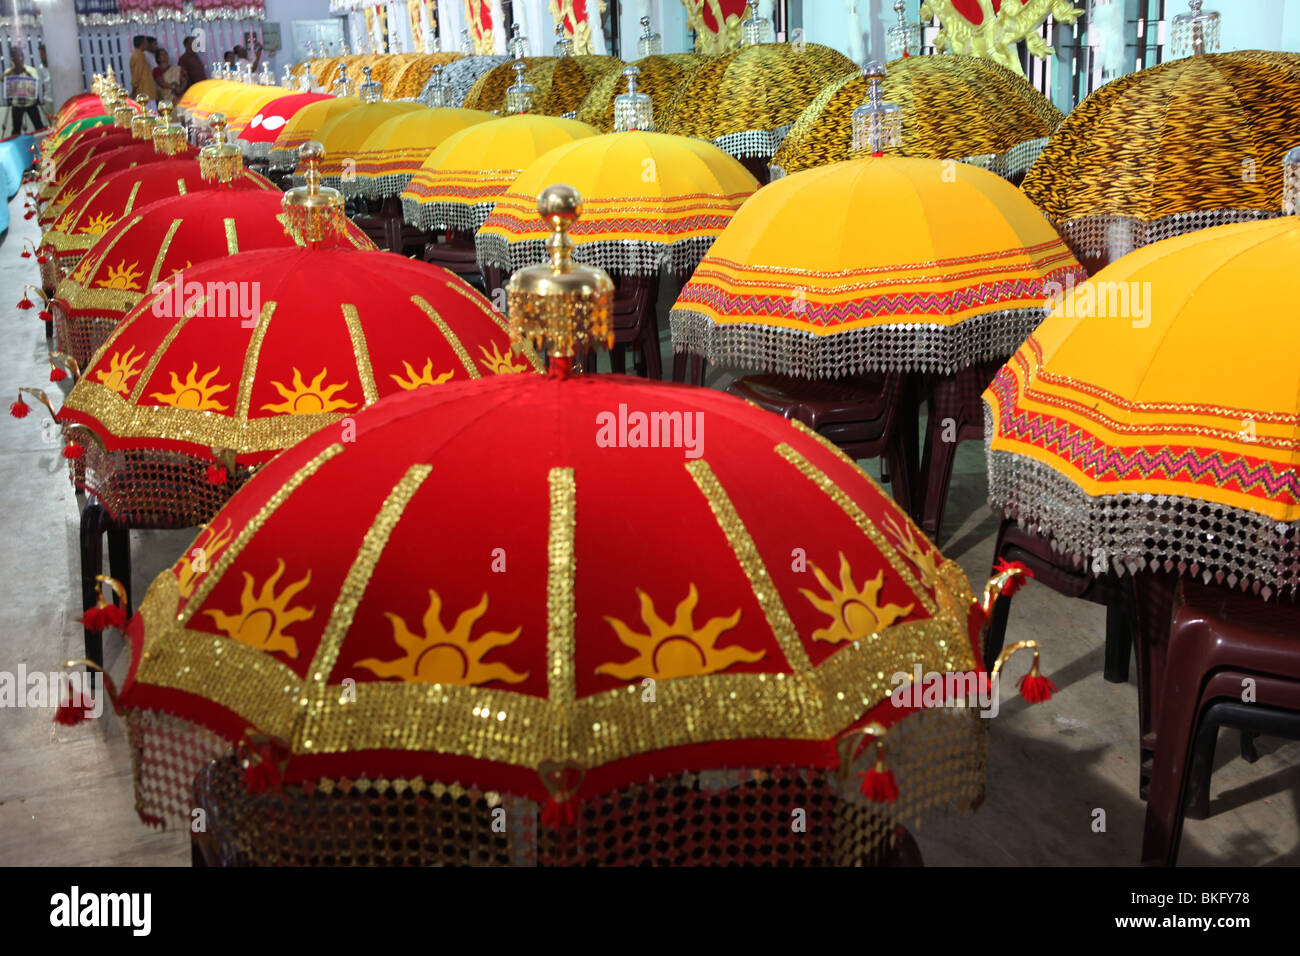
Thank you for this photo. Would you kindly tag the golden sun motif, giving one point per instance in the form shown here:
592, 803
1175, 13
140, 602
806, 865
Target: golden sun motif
179, 269
854, 612
926, 561
677, 649
263, 618
65, 221
423, 380
304, 399
98, 224
499, 364
201, 556
194, 393
121, 369
441, 656
122, 276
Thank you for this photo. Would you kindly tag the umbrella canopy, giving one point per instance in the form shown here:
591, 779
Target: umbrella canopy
633, 222
286, 341
660, 78
110, 199
534, 686
303, 127
195, 93
260, 132
93, 171
385, 69
562, 84
745, 102
75, 150
459, 183
489, 90
954, 107
1153, 419
409, 81
212, 99
242, 107
344, 134
883, 263
395, 151
1190, 143
155, 242
463, 74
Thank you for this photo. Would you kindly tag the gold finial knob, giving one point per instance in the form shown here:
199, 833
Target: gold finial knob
220, 161
313, 212
143, 122
168, 139
563, 305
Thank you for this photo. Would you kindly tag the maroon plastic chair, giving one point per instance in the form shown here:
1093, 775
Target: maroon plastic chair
1059, 573
454, 251
388, 230
859, 414
636, 327
955, 413
1214, 631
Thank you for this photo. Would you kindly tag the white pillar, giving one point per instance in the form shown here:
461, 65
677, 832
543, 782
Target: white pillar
63, 49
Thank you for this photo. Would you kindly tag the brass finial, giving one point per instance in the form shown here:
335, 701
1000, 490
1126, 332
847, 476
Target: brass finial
370, 91
564, 304
142, 123
123, 113
314, 211
220, 161
168, 138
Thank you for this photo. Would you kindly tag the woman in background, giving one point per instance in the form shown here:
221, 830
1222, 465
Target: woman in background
169, 77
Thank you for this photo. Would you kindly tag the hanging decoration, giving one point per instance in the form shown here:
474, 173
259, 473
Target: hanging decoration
576, 18
994, 28
482, 16
716, 24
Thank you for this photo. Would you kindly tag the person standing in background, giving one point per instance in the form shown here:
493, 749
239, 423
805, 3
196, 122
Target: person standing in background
169, 78
23, 107
141, 71
192, 64
241, 53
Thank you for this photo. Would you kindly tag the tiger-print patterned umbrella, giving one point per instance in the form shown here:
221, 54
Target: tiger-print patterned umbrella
660, 77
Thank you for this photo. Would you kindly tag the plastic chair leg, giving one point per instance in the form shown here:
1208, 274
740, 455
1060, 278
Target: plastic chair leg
92, 560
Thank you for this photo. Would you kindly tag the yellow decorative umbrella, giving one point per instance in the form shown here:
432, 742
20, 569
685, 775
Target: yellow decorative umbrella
194, 95
882, 263
954, 107
650, 200
563, 83
1187, 144
409, 81
745, 102
660, 77
398, 147
1153, 419
303, 127
459, 183
489, 90
343, 136
213, 99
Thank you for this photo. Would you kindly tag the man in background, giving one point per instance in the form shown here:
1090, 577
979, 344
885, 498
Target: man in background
241, 53
192, 64
23, 107
142, 69
47, 85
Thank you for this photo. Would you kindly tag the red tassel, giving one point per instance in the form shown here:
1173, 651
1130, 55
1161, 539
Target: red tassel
19, 409
26, 253
1015, 582
72, 451
216, 475
262, 772
114, 616
102, 617
559, 814
1036, 688
45, 315
879, 784
41, 260
57, 375
26, 303
68, 714
29, 213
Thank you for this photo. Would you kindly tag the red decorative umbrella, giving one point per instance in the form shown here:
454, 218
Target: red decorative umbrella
466, 626
157, 241
95, 168
256, 138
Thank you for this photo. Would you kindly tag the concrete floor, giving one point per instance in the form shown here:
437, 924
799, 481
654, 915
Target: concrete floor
66, 795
